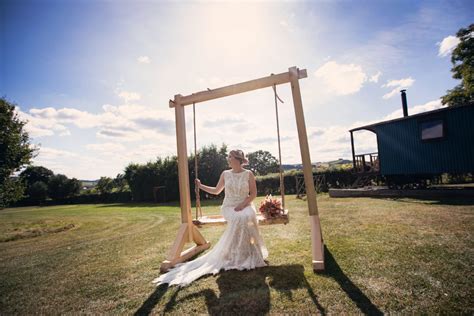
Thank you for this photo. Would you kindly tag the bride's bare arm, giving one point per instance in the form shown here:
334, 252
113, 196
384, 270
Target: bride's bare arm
213, 190
252, 193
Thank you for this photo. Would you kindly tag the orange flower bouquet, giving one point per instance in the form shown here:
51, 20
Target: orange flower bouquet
271, 207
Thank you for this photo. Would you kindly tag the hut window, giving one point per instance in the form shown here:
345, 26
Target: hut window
432, 129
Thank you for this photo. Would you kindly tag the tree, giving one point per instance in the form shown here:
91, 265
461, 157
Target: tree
131, 174
73, 187
105, 185
15, 152
11, 190
38, 191
142, 179
60, 187
262, 162
33, 174
120, 182
463, 69
211, 162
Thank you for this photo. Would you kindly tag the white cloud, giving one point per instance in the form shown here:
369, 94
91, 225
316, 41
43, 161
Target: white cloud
42, 125
429, 106
144, 59
65, 133
81, 119
101, 159
341, 79
48, 153
44, 113
399, 85
35, 131
128, 96
125, 122
223, 122
329, 143
110, 148
163, 149
81, 166
375, 78
315, 132
447, 45
214, 82
118, 134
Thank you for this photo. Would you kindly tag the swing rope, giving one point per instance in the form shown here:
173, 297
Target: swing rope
196, 175
282, 182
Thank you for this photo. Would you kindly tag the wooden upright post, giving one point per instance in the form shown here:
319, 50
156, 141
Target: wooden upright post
317, 246
187, 231
353, 152
183, 171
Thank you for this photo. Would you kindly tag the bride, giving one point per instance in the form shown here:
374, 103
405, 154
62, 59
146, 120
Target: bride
240, 247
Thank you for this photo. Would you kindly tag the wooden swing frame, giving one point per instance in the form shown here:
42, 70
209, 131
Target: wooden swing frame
188, 232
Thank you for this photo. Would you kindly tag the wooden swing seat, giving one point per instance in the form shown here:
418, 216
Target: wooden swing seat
218, 220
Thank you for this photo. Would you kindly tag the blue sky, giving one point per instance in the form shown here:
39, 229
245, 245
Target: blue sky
93, 78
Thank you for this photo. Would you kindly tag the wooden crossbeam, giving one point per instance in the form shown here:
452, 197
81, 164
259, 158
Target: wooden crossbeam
236, 88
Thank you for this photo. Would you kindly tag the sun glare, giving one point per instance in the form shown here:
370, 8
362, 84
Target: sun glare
236, 30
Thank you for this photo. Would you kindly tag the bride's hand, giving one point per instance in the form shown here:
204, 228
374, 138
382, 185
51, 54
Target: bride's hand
238, 208
197, 182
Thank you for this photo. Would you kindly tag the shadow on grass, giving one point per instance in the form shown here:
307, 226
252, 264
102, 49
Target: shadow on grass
152, 300
240, 292
141, 205
334, 271
437, 201
204, 203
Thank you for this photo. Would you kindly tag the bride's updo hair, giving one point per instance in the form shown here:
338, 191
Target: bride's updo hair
239, 155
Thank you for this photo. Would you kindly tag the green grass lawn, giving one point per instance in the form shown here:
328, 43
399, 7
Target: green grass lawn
382, 256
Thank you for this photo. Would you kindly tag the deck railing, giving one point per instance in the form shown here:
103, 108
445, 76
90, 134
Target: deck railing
367, 163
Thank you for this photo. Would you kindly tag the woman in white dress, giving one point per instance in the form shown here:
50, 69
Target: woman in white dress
240, 247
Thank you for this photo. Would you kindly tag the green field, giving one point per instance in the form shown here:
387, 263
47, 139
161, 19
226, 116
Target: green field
382, 255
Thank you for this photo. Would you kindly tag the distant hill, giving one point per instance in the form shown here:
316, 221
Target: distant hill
340, 161
334, 164
89, 183
292, 167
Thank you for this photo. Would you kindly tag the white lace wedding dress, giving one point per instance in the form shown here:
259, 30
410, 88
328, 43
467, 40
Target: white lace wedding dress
240, 246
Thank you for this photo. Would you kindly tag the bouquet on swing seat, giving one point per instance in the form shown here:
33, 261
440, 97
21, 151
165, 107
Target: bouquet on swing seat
271, 207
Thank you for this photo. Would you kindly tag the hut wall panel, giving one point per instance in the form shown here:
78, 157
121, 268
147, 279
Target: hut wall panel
401, 150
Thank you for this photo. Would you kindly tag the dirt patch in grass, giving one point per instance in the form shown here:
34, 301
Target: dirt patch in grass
31, 232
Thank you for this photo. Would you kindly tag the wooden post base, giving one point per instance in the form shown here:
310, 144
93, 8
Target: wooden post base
176, 254
317, 245
318, 266
185, 255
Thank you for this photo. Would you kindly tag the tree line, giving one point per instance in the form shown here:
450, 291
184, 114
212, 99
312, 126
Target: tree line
41, 183
159, 181
152, 181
